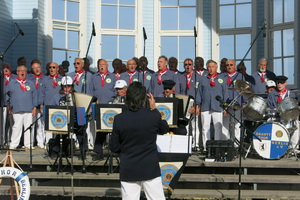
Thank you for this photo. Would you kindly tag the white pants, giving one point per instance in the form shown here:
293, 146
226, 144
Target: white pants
21, 119
91, 132
295, 136
40, 134
4, 123
217, 118
153, 189
229, 122
194, 130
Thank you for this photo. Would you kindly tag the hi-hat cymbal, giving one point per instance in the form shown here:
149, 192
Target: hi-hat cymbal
244, 88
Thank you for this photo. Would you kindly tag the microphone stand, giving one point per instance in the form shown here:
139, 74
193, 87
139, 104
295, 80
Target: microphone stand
242, 129
31, 140
2, 83
195, 78
252, 43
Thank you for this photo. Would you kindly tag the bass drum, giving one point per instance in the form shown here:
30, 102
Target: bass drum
274, 140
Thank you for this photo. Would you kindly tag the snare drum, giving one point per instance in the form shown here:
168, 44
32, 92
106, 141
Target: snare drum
288, 109
255, 108
274, 140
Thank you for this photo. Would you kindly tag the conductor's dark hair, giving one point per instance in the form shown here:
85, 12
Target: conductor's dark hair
135, 96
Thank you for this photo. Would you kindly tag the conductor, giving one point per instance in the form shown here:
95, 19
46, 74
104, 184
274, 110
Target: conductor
134, 137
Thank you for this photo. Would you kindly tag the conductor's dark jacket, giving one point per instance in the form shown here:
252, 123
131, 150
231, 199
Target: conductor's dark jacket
134, 137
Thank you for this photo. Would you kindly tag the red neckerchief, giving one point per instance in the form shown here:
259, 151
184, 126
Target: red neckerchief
37, 77
54, 80
103, 75
281, 94
7, 78
22, 84
76, 78
262, 76
131, 75
175, 71
229, 77
160, 73
188, 79
117, 75
212, 79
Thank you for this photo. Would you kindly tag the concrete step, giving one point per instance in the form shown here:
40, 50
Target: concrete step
177, 194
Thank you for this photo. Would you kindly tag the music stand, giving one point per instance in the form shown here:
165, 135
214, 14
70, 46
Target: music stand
60, 119
105, 114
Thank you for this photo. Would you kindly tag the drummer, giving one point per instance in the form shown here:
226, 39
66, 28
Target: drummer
276, 96
280, 92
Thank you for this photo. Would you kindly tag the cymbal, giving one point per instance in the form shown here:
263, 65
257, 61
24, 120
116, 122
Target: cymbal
240, 84
262, 95
247, 92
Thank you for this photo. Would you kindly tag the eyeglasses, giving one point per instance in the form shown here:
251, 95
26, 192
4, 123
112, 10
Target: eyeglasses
229, 64
186, 64
53, 67
76, 63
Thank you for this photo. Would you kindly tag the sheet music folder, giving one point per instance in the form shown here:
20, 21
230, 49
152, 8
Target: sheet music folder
173, 144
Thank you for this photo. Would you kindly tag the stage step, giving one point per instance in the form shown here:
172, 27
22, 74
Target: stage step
115, 193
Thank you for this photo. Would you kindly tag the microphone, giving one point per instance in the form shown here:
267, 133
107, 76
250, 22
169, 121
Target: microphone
144, 32
222, 103
20, 31
65, 64
94, 31
195, 32
264, 28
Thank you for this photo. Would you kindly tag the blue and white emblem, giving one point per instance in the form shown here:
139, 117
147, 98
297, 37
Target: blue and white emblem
108, 118
165, 112
59, 119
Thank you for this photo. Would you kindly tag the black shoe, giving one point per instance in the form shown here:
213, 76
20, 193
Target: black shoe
98, 157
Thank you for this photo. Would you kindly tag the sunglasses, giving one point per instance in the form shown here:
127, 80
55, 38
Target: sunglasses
76, 63
280, 82
186, 64
53, 67
229, 64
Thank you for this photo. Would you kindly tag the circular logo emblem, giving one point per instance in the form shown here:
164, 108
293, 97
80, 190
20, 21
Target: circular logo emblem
59, 82
108, 118
279, 133
234, 82
220, 80
83, 81
266, 79
168, 172
165, 112
148, 77
59, 119
27, 87
108, 80
135, 80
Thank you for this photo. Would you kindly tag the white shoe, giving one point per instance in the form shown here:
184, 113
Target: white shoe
12, 148
41, 146
28, 148
91, 147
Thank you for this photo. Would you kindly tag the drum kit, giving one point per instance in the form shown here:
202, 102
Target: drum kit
275, 127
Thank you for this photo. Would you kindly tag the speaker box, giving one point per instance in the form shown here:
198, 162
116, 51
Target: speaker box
220, 150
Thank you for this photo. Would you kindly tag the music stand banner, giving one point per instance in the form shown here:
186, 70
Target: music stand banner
168, 108
105, 114
57, 118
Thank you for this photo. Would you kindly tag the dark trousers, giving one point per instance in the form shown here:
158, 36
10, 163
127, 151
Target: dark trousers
99, 141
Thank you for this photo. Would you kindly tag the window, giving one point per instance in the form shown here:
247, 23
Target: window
235, 22
177, 21
118, 24
283, 54
235, 14
66, 29
235, 47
